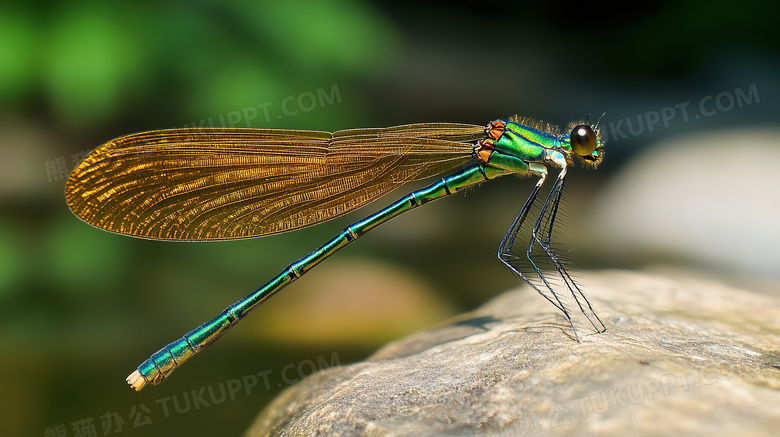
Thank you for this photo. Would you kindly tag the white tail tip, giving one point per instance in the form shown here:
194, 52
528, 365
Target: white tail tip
136, 380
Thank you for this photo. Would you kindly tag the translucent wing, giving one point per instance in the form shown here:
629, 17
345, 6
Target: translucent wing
222, 184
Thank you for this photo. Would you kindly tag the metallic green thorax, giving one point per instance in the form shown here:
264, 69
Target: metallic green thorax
531, 141
526, 142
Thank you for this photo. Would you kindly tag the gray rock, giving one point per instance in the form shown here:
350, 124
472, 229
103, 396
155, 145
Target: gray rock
681, 355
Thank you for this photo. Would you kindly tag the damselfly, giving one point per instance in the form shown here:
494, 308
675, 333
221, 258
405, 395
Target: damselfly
225, 184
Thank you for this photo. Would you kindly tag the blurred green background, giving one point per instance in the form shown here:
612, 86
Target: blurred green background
80, 308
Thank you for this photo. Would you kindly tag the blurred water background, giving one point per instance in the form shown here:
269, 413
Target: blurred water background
690, 91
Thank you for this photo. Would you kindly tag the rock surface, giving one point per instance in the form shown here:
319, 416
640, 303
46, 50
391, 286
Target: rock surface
681, 356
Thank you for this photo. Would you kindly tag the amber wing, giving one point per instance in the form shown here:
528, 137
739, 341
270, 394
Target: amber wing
222, 184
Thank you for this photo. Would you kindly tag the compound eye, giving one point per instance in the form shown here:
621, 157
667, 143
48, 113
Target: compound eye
583, 140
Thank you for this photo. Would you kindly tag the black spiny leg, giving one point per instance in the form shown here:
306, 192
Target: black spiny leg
543, 228
545, 224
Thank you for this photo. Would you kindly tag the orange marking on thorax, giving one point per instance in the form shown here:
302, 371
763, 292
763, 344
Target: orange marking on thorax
485, 146
494, 129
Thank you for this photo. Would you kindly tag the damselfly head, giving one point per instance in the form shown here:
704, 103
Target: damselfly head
583, 140
586, 142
